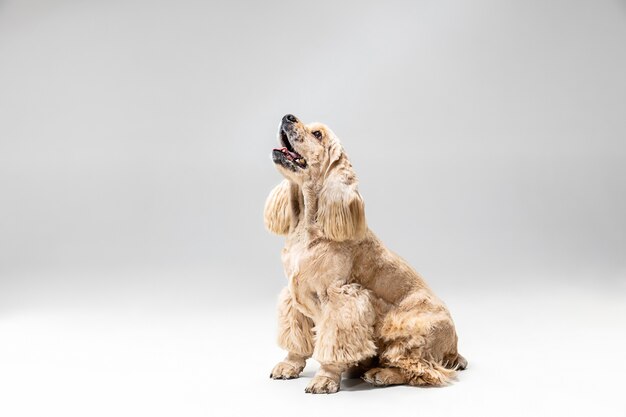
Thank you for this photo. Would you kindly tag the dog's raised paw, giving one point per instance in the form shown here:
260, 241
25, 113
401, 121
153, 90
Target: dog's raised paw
322, 385
284, 370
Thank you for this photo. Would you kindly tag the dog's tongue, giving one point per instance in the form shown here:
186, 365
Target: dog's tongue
288, 152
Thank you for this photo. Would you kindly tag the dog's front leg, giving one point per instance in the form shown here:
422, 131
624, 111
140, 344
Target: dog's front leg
344, 335
295, 335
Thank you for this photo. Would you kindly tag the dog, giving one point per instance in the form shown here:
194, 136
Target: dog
350, 303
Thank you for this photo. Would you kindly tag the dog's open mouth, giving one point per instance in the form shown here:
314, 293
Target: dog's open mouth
287, 156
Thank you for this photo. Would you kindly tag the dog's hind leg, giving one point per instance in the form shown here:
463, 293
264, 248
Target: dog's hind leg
418, 340
295, 335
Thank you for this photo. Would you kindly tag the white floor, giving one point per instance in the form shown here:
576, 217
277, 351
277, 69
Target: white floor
561, 352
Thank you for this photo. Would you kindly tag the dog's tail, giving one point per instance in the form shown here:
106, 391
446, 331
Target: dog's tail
459, 363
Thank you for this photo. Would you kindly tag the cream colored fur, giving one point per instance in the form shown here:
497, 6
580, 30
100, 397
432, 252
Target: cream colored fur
350, 303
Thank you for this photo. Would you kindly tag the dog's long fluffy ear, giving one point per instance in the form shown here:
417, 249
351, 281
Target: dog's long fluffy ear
277, 212
341, 211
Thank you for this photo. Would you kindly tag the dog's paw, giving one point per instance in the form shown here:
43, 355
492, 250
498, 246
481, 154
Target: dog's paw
284, 370
381, 377
322, 385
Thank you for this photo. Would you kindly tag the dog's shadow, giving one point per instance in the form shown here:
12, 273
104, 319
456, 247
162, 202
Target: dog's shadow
355, 384
347, 384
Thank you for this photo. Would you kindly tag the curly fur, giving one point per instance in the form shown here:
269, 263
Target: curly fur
295, 332
341, 212
349, 302
277, 209
345, 330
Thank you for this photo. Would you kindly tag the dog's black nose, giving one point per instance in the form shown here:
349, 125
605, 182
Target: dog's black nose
289, 118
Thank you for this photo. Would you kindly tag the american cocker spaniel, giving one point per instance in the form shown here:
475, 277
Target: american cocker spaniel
350, 303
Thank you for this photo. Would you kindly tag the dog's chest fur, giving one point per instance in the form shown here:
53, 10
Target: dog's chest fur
311, 269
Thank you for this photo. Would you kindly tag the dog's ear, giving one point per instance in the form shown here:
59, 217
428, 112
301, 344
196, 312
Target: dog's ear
341, 211
277, 214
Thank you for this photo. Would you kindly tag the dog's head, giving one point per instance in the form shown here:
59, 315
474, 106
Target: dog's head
311, 156
304, 149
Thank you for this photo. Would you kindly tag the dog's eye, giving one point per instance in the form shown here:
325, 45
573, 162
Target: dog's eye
317, 134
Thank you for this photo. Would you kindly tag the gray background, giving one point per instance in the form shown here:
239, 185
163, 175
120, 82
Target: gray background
490, 142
